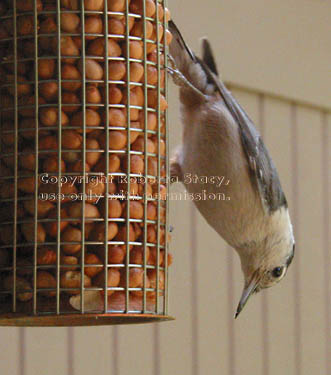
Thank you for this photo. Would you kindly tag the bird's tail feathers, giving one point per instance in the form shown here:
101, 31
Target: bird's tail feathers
195, 70
179, 50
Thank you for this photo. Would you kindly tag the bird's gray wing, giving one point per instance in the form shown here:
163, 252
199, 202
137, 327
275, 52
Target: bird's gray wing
208, 57
262, 168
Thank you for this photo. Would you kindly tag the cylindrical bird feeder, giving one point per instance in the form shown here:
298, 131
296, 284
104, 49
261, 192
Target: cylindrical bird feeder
84, 162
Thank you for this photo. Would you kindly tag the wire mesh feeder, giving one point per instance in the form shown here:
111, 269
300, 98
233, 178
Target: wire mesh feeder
84, 167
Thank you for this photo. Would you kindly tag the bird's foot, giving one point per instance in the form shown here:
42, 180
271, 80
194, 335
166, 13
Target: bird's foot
172, 62
176, 174
180, 80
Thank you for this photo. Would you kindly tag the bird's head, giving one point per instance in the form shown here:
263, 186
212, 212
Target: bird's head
265, 265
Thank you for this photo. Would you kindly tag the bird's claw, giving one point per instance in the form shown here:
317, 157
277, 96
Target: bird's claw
172, 62
180, 80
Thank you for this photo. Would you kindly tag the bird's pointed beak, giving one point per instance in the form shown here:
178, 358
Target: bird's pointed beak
247, 292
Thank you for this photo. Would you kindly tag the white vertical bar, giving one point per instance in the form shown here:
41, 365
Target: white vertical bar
281, 298
211, 287
326, 161
135, 346
10, 351
296, 213
92, 352
46, 351
310, 244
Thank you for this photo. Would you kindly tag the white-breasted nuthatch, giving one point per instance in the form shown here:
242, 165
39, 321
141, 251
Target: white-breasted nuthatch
220, 140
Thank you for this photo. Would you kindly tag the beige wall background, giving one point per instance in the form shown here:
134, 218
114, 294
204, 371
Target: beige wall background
265, 49
279, 46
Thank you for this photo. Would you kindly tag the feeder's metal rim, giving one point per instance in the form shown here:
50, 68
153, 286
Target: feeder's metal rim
79, 320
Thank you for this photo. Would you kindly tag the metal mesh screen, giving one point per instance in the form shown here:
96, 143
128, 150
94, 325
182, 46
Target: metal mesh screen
84, 169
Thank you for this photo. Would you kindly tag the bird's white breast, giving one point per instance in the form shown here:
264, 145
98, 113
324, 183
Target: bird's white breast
212, 147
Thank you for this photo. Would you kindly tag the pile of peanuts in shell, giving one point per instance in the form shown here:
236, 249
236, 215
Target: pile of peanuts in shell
50, 156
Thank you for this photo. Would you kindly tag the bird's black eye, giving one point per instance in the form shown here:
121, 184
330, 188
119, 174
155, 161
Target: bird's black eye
277, 272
